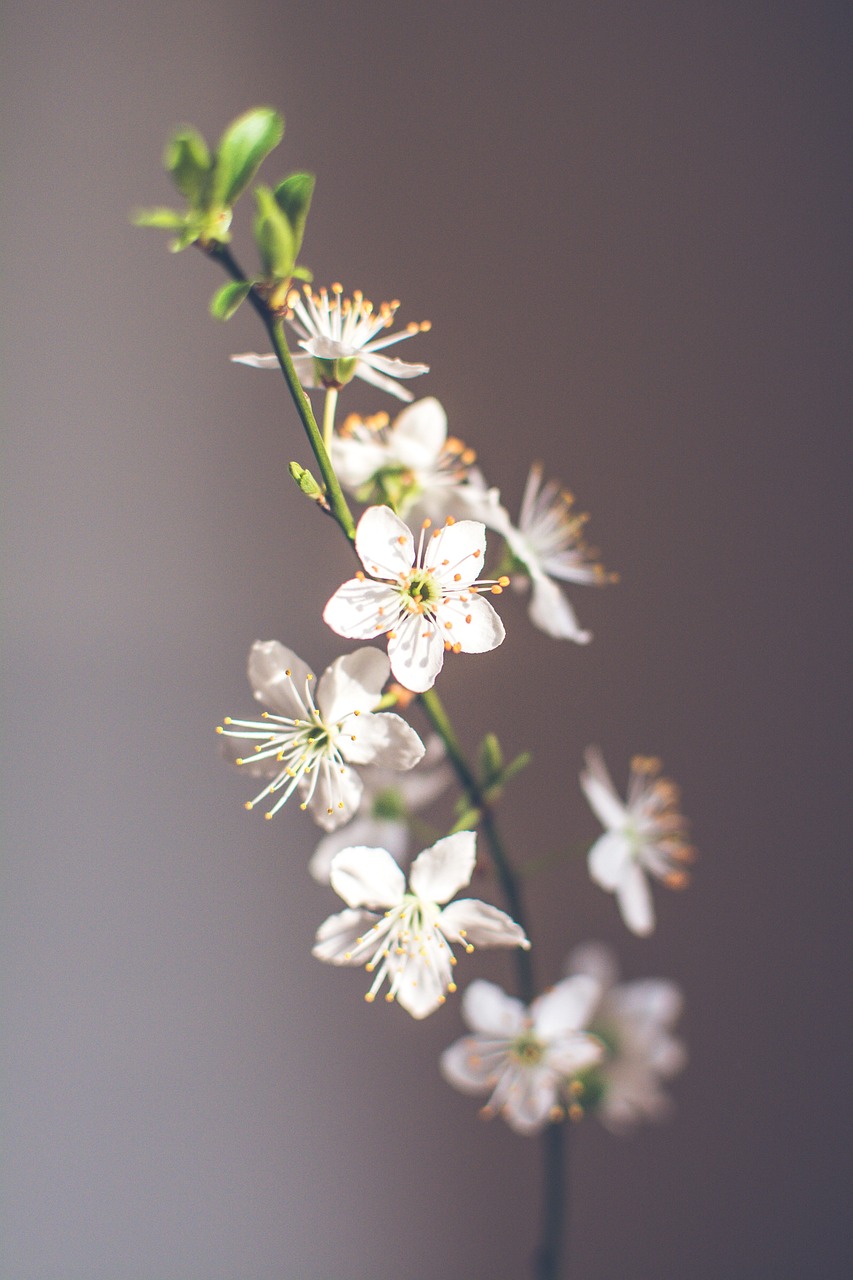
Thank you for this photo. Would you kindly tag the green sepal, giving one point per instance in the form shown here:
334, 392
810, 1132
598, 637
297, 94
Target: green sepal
165, 219
188, 160
273, 236
491, 759
244, 144
303, 273
228, 298
293, 197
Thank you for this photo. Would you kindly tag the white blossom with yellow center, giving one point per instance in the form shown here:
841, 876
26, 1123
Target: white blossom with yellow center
410, 945
426, 600
645, 835
524, 1058
340, 339
309, 745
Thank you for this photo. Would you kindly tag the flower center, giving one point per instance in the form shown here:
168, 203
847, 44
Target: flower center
527, 1050
420, 591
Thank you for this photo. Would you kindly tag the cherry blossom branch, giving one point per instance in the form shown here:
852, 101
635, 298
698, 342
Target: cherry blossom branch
273, 325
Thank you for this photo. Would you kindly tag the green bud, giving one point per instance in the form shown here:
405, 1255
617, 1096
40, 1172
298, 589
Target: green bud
243, 146
187, 159
293, 197
306, 481
226, 300
273, 236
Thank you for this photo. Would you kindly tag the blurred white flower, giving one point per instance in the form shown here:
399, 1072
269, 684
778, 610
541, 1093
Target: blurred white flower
310, 746
549, 548
339, 337
387, 801
425, 601
409, 946
524, 1058
634, 1020
644, 834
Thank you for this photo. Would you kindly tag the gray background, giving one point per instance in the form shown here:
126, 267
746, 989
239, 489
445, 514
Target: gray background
626, 222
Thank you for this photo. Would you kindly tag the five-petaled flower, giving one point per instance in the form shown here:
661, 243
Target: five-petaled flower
634, 1021
410, 945
310, 745
426, 600
645, 833
339, 337
548, 548
525, 1058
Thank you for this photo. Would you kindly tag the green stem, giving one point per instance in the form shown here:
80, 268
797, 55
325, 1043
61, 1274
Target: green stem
275, 331
440, 721
329, 417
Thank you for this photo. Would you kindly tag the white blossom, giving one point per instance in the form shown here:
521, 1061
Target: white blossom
426, 600
524, 1058
645, 835
307, 745
387, 801
548, 548
339, 337
634, 1020
410, 945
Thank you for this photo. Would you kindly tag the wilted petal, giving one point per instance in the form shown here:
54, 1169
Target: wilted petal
366, 877
444, 869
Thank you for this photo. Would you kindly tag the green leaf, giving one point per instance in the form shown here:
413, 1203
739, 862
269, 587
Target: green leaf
303, 273
242, 147
166, 219
491, 758
274, 236
293, 197
520, 762
226, 300
188, 161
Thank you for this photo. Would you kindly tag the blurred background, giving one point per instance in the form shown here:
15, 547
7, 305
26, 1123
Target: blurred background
628, 224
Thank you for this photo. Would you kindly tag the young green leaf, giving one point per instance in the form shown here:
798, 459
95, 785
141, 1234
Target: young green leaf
166, 219
242, 147
226, 300
294, 199
274, 236
188, 161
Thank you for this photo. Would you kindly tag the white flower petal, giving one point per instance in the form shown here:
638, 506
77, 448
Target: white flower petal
333, 796
363, 370
254, 361
384, 543
481, 925
336, 940
352, 683
361, 610
376, 832
600, 792
366, 877
416, 651
392, 365
441, 871
419, 988
475, 624
385, 739
566, 1007
419, 433
269, 663
635, 900
356, 460
456, 549
490, 1011
551, 612
595, 959
527, 1106
607, 860
650, 1001
575, 1052
464, 1065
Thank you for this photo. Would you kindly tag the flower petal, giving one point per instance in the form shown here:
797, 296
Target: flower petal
352, 683
456, 549
419, 433
385, 739
607, 860
269, 664
384, 543
464, 1065
566, 1007
336, 940
595, 959
332, 796
635, 900
475, 624
575, 1052
528, 1103
362, 610
419, 987
255, 361
481, 925
416, 651
600, 792
490, 1011
375, 832
445, 868
363, 370
366, 877
391, 365
551, 612
355, 460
